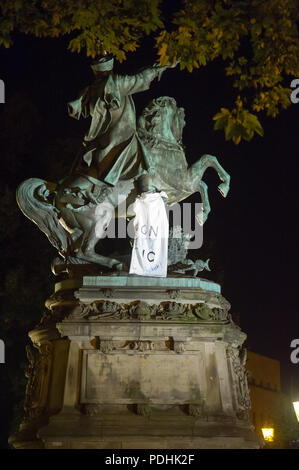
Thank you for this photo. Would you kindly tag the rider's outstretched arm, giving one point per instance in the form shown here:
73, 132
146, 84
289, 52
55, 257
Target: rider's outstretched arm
129, 84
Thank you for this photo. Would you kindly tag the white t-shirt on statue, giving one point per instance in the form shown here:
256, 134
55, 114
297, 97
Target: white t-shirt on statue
150, 250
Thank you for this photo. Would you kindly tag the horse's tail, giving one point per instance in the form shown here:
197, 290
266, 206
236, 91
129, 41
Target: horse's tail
35, 199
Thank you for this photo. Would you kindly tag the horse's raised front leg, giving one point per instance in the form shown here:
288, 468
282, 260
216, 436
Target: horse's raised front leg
202, 216
209, 161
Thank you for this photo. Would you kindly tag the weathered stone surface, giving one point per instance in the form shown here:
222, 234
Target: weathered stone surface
137, 377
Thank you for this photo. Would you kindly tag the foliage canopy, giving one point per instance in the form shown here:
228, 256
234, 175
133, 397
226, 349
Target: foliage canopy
257, 40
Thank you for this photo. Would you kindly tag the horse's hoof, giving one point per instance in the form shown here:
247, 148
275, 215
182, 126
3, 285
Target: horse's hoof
201, 218
58, 266
223, 188
116, 264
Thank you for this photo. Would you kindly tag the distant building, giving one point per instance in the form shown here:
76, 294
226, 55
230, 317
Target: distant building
269, 406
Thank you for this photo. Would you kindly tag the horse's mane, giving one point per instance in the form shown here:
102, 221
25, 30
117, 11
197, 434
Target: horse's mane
150, 119
150, 123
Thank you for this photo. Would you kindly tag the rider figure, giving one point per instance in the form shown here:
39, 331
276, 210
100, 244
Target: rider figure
111, 147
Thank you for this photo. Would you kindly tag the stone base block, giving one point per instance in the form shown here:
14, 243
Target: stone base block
129, 363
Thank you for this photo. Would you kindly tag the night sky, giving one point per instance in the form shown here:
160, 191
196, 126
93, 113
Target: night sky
253, 230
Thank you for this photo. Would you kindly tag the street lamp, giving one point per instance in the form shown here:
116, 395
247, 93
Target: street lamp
268, 434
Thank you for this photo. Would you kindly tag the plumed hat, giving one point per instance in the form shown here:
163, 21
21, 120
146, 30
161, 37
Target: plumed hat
103, 64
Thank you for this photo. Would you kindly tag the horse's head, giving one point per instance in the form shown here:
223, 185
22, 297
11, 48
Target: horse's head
162, 120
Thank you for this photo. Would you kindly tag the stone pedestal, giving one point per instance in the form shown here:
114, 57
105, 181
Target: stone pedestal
135, 362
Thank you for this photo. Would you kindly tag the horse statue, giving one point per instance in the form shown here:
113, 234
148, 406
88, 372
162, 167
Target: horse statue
76, 212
